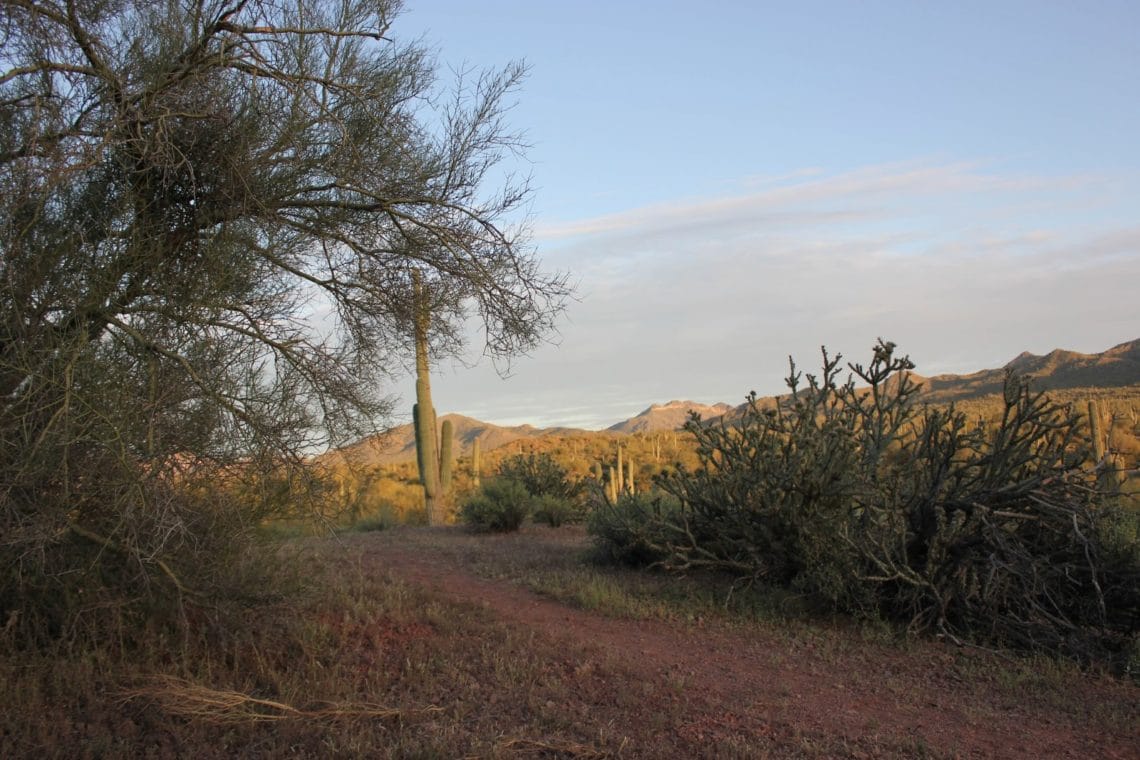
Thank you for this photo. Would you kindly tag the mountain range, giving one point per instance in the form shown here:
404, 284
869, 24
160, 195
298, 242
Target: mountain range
1117, 367
399, 443
668, 416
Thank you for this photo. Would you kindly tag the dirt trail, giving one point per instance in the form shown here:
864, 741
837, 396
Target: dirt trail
735, 683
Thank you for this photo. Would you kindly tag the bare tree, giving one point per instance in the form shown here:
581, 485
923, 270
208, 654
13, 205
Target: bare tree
210, 213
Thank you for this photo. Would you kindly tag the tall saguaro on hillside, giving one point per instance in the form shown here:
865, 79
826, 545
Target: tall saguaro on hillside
433, 450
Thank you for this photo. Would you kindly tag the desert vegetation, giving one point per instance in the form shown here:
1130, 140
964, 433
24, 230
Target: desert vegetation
182, 186
441, 642
197, 557
1004, 532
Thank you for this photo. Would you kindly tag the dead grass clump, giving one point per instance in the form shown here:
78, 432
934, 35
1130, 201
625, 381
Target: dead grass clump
185, 699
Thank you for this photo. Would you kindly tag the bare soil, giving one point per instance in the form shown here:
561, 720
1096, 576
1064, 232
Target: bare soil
738, 690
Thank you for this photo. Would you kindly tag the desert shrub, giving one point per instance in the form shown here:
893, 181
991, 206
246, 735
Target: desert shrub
638, 530
499, 506
203, 546
384, 518
556, 498
556, 511
540, 475
876, 504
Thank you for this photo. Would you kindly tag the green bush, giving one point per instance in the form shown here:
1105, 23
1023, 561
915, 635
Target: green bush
864, 498
540, 475
556, 511
499, 506
639, 530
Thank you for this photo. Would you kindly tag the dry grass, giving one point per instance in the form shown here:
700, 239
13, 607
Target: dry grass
360, 663
357, 664
181, 698
559, 564
533, 748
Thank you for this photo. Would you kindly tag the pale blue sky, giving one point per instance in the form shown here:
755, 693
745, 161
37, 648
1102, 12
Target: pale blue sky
734, 182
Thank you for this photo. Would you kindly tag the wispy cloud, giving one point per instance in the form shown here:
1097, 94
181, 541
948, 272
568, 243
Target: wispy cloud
810, 196
961, 265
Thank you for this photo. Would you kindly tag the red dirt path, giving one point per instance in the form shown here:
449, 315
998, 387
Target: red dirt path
753, 683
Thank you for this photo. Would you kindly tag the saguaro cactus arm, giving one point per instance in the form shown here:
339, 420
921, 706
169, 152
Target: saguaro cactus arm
445, 444
475, 463
620, 473
1095, 432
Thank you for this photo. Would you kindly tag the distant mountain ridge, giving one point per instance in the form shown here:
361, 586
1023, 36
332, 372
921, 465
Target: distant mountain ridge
668, 416
1059, 369
1116, 367
399, 443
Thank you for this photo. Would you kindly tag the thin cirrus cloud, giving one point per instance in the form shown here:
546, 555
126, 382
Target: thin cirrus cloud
811, 197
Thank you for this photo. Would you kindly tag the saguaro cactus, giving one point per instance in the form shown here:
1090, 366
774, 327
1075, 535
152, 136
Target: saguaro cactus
1110, 468
620, 473
432, 454
447, 436
475, 462
1095, 432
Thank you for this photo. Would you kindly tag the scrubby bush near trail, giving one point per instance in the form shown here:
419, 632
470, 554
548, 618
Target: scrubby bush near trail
499, 506
136, 569
556, 498
556, 511
540, 475
530, 484
861, 497
635, 530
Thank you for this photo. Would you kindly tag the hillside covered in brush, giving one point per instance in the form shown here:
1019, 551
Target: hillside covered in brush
399, 443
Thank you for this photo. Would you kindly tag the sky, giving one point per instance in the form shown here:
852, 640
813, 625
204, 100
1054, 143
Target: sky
734, 183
